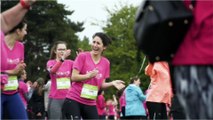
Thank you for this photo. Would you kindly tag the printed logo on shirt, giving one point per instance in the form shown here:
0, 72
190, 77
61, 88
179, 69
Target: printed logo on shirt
13, 61
98, 76
67, 73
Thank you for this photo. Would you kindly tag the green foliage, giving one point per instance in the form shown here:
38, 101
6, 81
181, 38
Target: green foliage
84, 44
123, 54
47, 23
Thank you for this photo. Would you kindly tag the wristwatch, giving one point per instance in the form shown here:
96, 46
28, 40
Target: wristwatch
62, 60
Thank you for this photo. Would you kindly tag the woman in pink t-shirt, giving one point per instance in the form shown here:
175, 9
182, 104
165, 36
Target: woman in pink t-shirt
11, 64
60, 72
111, 109
90, 70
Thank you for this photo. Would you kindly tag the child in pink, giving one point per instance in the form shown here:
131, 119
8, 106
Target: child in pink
111, 111
101, 106
60, 73
23, 89
122, 103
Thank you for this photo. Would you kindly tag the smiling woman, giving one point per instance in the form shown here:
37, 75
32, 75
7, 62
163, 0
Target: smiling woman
90, 71
93, 11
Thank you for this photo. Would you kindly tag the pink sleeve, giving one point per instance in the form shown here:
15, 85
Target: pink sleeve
55, 67
23, 87
52, 67
107, 75
79, 61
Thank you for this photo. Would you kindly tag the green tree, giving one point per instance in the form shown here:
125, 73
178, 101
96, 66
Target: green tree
84, 44
47, 23
123, 54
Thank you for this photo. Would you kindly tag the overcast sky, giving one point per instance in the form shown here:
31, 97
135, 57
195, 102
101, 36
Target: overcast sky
89, 11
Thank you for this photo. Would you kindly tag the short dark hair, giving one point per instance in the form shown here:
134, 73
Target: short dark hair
19, 26
132, 79
105, 38
100, 92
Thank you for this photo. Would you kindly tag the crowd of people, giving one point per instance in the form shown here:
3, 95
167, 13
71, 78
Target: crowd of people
75, 90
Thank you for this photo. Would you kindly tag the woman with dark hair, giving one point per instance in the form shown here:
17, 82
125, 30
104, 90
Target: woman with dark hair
10, 19
134, 97
60, 71
11, 66
90, 70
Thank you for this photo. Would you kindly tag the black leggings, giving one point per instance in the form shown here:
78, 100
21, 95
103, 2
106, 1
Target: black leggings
194, 90
157, 110
136, 118
74, 110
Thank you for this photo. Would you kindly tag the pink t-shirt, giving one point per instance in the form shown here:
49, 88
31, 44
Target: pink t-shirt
64, 71
11, 58
101, 105
3, 54
122, 101
197, 46
22, 91
111, 109
84, 64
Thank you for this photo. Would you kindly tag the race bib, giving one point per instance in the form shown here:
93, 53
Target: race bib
89, 91
12, 83
63, 83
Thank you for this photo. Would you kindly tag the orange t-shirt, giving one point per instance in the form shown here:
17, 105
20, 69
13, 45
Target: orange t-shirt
160, 89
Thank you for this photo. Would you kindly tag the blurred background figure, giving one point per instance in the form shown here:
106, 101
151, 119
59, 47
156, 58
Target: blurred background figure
23, 88
101, 105
29, 85
122, 103
36, 102
160, 90
192, 70
111, 109
134, 97
46, 94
